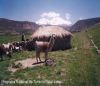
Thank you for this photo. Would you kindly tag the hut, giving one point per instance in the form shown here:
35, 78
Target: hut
62, 37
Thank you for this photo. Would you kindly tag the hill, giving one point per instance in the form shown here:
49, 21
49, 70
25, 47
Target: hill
9, 26
84, 24
94, 32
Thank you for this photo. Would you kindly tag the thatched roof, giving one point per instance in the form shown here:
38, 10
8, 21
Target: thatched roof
46, 31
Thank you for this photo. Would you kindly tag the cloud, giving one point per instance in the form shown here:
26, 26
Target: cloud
68, 16
54, 18
50, 14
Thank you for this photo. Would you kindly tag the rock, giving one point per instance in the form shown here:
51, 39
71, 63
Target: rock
50, 62
19, 65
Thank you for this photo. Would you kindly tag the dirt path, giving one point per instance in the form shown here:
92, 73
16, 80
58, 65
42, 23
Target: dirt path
26, 63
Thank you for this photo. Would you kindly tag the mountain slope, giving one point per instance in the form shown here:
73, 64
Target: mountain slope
16, 26
84, 24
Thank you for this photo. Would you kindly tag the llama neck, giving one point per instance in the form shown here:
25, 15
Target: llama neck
51, 43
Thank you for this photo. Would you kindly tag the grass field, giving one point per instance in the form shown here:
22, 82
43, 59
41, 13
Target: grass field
95, 33
79, 66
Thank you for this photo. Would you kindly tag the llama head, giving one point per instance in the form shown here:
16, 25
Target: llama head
53, 36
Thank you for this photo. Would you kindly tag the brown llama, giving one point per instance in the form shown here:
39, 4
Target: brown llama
44, 47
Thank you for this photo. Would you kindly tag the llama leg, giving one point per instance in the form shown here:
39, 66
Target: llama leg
37, 55
39, 58
46, 56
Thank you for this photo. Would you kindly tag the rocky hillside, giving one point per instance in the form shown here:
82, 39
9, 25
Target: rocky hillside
7, 25
84, 24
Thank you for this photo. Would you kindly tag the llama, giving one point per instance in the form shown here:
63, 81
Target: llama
44, 47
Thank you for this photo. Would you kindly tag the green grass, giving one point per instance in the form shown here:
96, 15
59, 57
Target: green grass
79, 66
95, 33
10, 38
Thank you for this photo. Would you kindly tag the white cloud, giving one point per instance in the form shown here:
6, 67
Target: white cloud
54, 18
42, 21
68, 16
50, 14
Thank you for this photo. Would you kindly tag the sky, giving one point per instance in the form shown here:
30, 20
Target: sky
52, 12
